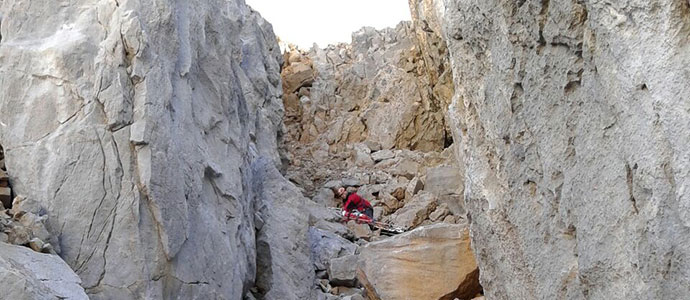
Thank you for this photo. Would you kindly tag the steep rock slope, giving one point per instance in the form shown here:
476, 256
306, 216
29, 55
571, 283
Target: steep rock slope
376, 90
134, 125
573, 119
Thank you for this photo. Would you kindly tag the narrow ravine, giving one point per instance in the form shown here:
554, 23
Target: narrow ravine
363, 116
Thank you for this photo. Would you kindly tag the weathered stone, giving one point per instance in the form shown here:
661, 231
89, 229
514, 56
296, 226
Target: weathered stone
297, 75
415, 185
283, 242
382, 155
440, 254
343, 270
362, 159
391, 202
326, 246
325, 197
415, 211
19, 235
399, 193
36, 244
164, 207
573, 118
440, 212
405, 167
360, 230
443, 180
31, 275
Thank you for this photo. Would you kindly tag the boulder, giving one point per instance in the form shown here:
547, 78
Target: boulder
343, 270
433, 262
326, 246
415, 211
25, 274
136, 131
283, 250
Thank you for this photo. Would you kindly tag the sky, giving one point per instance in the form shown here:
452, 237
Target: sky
304, 22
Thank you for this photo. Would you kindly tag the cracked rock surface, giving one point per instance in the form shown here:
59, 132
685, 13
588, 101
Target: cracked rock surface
133, 126
573, 121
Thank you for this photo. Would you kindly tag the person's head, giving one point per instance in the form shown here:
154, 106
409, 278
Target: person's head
339, 192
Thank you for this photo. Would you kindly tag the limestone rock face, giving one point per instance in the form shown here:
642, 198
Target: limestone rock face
357, 85
573, 120
25, 274
284, 264
134, 126
431, 262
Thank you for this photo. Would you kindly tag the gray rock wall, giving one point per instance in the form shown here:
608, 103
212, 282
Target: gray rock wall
134, 124
574, 119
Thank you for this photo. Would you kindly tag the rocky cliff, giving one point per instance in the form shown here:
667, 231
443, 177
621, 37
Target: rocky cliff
136, 128
573, 120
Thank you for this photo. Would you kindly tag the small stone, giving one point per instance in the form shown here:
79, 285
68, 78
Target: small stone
399, 193
440, 212
36, 244
449, 220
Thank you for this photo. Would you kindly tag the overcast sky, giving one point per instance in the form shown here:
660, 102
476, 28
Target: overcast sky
304, 22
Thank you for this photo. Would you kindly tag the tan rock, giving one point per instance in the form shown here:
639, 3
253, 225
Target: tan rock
399, 193
440, 212
415, 185
36, 244
439, 254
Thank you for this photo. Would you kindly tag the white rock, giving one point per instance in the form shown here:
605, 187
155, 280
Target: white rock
31, 275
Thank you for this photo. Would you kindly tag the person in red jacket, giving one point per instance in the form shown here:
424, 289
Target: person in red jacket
353, 202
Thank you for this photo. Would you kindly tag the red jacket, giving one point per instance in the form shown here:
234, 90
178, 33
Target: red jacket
354, 201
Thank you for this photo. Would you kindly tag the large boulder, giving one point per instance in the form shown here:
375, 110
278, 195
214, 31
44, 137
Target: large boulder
431, 262
135, 125
573, 119
25, 274
283, 250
